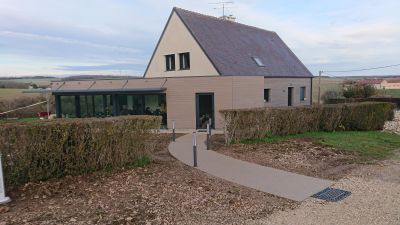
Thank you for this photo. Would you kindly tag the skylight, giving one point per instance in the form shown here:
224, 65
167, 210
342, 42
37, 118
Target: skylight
258, 61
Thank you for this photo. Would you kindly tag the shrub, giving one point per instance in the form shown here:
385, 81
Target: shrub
245, 124
331, 94
359, 91
50, 149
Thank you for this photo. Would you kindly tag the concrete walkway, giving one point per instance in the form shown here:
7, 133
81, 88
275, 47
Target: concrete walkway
277, 182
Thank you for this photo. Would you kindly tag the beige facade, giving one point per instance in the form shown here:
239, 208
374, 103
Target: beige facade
395, 84
229, 92
279, 91
177, 39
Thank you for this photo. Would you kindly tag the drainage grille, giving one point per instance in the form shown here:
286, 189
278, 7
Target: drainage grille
332, 194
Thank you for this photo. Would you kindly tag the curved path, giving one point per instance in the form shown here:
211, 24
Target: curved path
277, 182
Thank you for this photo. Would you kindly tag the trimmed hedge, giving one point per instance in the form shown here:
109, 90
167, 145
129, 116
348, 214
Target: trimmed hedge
242, 124
395, 100
42, 150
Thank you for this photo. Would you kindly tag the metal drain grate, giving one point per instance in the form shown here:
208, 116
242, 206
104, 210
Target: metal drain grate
332, 194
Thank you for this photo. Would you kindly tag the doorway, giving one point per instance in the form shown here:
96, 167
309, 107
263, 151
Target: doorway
204, 110
290, 96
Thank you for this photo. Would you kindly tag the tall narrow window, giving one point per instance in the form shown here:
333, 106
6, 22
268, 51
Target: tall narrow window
266, 95
302, 93
184, 59
170, 62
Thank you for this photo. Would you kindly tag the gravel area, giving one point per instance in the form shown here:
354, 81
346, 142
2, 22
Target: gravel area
393, 126
164, 192
375, 199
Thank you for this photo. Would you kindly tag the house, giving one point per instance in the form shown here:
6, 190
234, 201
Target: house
201, 65
393, 83
389, 83
377, 83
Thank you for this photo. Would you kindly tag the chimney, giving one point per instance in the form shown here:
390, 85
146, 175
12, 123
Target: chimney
229, 18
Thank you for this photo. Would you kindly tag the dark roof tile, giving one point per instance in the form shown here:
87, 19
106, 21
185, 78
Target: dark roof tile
231, 46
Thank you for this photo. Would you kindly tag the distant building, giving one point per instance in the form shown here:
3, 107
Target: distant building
387, 83
393, 83
377, 83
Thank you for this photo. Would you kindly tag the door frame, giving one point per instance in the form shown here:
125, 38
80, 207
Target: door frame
291, 92
198, 109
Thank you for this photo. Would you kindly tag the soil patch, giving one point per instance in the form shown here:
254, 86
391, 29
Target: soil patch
164, 192
298, 155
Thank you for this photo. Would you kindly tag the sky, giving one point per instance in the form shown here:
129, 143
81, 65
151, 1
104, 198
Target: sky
90, 37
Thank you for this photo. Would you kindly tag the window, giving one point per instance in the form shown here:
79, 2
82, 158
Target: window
258, 61
170, 62
302, 93
266, 95
184, 60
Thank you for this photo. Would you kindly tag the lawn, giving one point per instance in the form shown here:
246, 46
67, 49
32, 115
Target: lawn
393, 92
371, 144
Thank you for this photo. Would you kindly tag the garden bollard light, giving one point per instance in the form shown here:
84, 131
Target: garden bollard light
208, 136
3, 198
194, 149
173, 130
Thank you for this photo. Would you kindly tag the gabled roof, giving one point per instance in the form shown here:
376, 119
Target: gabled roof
231, 46
393, 80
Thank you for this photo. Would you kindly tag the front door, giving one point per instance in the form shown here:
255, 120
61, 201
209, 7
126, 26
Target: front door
204, 110
290, 96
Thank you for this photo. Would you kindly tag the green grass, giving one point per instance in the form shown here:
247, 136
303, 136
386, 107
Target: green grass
370, 144
393, 92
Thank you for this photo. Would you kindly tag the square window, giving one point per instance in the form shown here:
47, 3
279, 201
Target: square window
170, 62
184, 61
302, 93
266, 95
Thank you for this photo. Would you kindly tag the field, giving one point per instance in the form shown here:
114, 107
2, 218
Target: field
38, 81
327, 84
6, 93
393, 92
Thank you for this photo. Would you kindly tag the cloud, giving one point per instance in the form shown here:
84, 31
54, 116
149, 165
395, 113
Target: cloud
105, 67
47, 38
75, 34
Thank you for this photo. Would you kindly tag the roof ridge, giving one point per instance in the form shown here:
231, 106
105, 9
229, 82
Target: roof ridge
176, 9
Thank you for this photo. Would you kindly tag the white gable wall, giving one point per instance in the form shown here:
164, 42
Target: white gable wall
177, 39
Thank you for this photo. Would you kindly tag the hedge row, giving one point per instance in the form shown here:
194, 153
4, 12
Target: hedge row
50, 149
245, 124
395, 100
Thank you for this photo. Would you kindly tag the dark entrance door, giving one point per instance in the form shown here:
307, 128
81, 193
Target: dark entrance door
290, 96
204, 110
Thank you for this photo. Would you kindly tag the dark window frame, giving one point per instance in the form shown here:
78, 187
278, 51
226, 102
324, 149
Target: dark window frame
267, 95
184, 61
170, 62
303, 94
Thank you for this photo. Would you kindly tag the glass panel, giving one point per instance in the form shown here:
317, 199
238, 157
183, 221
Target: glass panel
87, 106
302, 93
109, 105
98, 105
67, 106
123, 105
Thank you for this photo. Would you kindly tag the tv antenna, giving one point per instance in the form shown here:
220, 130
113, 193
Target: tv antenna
222, 5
